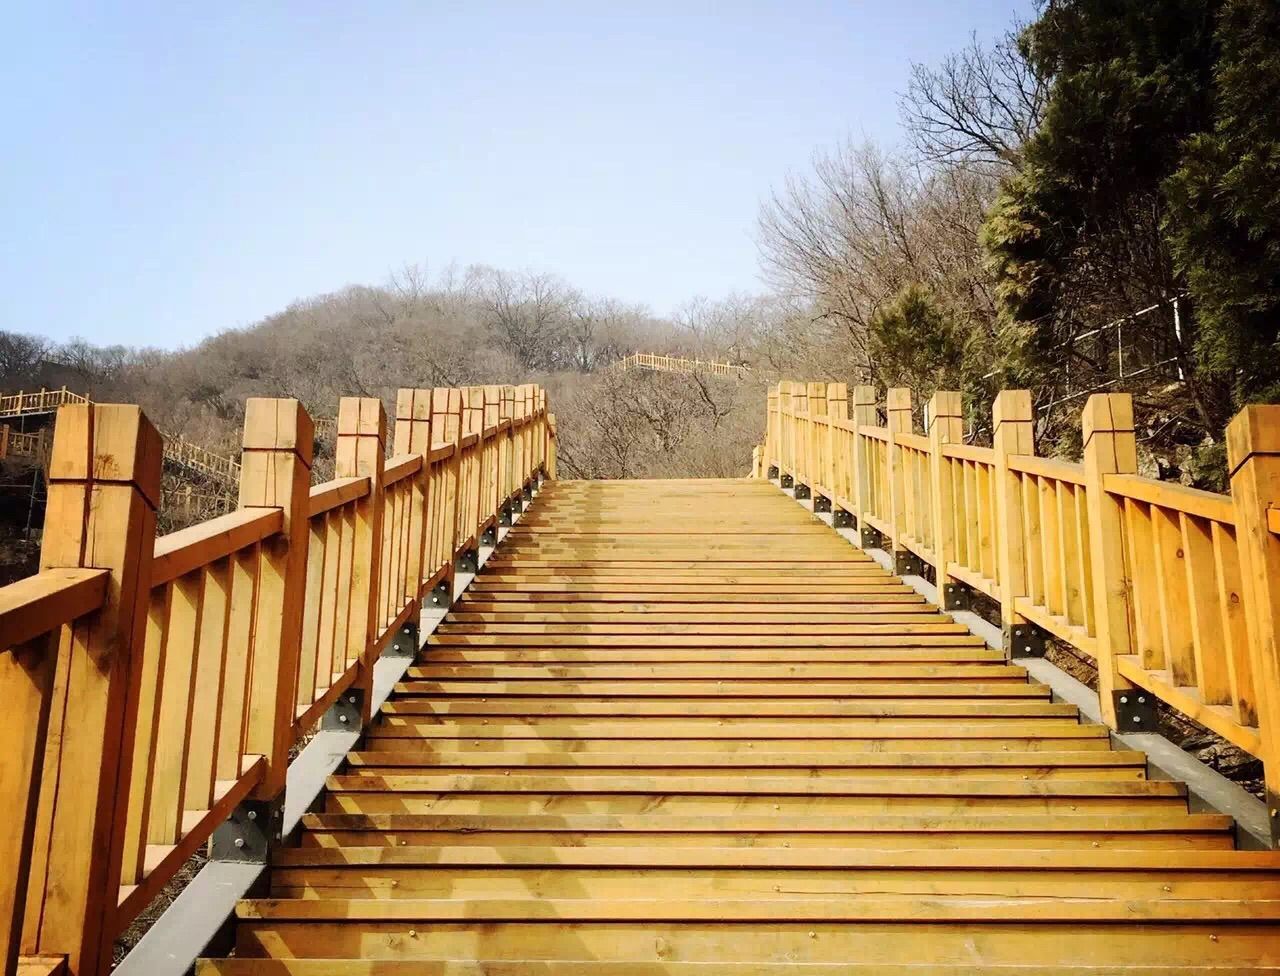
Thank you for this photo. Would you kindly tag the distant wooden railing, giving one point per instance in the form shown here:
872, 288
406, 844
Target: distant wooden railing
152, 686
176, 448
1174, 593
675, 364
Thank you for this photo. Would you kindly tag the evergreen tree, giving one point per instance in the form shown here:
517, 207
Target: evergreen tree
1224, 219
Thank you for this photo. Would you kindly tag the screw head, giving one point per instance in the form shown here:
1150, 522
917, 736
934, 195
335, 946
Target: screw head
1124, 700
342, 719
239, 842
253, 814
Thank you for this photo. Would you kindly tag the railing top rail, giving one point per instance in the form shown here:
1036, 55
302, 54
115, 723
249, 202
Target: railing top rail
41, 603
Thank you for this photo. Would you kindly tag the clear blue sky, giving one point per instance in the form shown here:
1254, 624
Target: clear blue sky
172, 169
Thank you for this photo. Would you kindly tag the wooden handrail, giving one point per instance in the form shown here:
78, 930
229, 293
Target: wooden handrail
215, 648
334, 493
44, 602
1173, 592
178, 553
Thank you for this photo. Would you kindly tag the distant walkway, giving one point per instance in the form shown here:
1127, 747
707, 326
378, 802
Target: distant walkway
675, 364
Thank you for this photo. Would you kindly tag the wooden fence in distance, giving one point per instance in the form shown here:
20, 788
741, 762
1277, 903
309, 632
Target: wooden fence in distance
152, 685
1174, 593
676, 364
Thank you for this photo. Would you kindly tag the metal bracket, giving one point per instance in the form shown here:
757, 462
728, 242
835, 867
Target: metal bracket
1024, 639
842, 519
489, 537
442, 595
802, 492
957, 596
505, 515
250, 833
405, 642
517, 503
821, 504
1135, 711
869, 538
773, 472
468, 561
528, 494
1273, 816
907, 563
344, 715
786, 481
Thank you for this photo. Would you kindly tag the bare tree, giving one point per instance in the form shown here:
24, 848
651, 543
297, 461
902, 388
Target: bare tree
978, 107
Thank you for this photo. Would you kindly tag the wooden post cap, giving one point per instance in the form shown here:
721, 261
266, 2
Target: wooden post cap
1254, 430
944, 403
1012, 406
278, 424
361, 417
1107, 413
107, 442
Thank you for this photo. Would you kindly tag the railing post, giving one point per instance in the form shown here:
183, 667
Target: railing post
1253, 457
413, 436
897, 405
1012, 419
506, 455
771, 459
360, 453
551, 447
275, 472
800, 469
945, 426
862, 409
819, 436
1110, 447
837, 409
446, 426
104, 486
787, 432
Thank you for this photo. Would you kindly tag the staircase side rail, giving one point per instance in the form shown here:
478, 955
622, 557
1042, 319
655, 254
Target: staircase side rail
229, 640
1172, 592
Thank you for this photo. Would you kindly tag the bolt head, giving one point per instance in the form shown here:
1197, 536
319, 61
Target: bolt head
1124, 700
239, 842
342, 719
253, 814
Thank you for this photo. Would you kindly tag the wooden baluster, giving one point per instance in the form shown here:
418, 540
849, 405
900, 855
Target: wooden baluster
1012, 418
1110, 447
104, 486
897, 406
360, 453
1253, 457
275, 472
946, 426
506, 454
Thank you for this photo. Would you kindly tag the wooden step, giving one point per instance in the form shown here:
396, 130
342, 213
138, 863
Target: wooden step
683, 729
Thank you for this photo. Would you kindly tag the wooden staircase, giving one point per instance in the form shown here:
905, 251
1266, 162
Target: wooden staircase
682, 727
